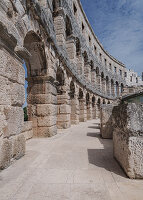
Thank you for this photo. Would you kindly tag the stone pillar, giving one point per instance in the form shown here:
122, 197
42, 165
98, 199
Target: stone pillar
64, 110
59, 24
87, 72
42, 109
89, 110
103, 85
82, 110
80, 64
93, 77
93, 111
98, 82
71, 49
75, 110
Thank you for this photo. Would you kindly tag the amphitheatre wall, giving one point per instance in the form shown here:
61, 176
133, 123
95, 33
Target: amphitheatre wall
69, 73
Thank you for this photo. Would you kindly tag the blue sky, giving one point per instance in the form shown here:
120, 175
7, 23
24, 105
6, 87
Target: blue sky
118, 24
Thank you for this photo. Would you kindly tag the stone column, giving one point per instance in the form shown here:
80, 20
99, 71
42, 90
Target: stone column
89, 110
42, 109
64, 110
59, 24
93, 77
103, 85
87, 72
93, 111
80, 64
98, 82
82, 110
75, 110
71, 49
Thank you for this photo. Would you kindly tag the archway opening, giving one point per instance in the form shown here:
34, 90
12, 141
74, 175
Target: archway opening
36, 66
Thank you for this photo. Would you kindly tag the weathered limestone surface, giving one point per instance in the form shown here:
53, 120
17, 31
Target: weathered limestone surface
27, 130
128, 138
106, 121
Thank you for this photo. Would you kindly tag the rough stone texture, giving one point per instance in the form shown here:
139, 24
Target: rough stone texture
27, 130
13, 148
106, 121
128, 138
74, 165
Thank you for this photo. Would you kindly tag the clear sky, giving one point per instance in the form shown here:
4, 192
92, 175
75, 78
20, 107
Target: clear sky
118, 24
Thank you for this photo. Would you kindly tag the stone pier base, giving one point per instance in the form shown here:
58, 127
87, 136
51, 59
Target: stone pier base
128, 139
11, 149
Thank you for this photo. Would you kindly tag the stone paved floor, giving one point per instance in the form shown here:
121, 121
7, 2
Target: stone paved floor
76, 164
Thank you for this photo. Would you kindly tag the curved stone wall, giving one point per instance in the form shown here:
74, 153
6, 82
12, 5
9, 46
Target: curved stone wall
67, 78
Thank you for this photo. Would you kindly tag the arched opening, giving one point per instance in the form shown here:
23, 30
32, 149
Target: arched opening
87, 69
68, 27
117, 89
98, 108
74, 105
36, 65
107, 86
93, 73
103, 83
108, 102
97, 78
60, 80
82, 113
122, 88
104, 102
78, 47
93, 108
56, 4
112, 88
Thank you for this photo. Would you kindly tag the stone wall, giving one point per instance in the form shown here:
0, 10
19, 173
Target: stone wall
128, 138
106, 121
27, 130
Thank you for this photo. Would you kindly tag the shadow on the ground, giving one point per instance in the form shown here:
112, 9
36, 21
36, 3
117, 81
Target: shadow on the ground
104, 157
94, 127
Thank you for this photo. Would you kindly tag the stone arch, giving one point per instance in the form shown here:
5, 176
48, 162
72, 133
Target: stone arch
82, 107
80, 93
56, 4
72, 89
69, 29
108, 102
93, 73
85, 56
36, 65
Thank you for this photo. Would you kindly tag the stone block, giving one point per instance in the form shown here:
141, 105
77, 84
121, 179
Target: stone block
63, 117
106, 121
47, 131
47, 121
46, 109
17, 94
5, 98
64, 109
5, 153
128, 138
15, 121
63, 125
18, 146
42, 99
27, 126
